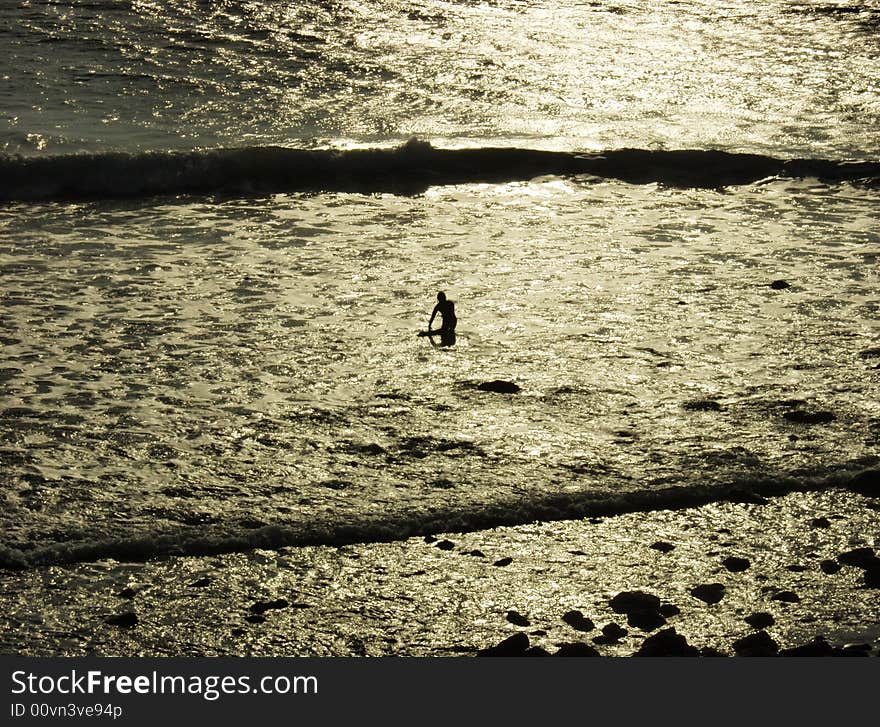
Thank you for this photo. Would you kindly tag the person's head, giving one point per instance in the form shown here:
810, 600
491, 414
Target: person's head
441, 296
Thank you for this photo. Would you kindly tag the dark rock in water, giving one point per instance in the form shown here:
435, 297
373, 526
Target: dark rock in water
517, 619
501, 562
708, 651
627, 601
860, 558
736, 565
576, 650
667, 643
201, 582
128, 593
757, 644
263, 606
476, 553
872, 578
578, 621
820, 522
830, 566
799, 416
255, 618
662, 547
702, 405
646, 620
538, 632
760, 620
870, 353
709, 592
786, 597
779, 285
669, 609
536, 651
817, 647
515, 645
237, 632
430, 539
611, 634
445, 545
499, 387
125, 620
866, 483
796, 568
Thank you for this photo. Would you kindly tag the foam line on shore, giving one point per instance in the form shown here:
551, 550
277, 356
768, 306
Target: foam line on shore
141, 547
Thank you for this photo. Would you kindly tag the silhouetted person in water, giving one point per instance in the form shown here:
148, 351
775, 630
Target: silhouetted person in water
446, 309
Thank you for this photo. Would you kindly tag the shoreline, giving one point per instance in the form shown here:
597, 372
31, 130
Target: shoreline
861, 477
456, 594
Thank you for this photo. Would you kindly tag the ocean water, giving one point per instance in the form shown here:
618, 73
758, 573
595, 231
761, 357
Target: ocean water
217, 245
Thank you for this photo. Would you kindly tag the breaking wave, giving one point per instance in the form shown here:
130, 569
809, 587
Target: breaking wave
386, 528
408, 169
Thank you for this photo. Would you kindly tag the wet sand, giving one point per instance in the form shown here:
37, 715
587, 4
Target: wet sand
457, 594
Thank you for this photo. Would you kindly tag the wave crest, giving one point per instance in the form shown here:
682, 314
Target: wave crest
408, 169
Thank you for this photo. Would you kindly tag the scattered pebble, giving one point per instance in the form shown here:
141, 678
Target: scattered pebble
667, 643
872, 578
611, 634
515, 645
669, 609
517, 619
757, 644
445, 545
646, 620
709, 592
262, 606
627, 601
662, 547
760, 620
817, 647
786, 597
578, 621
577, 649
799, 416
860, 558
499, 387
736, 565
830, 566
125, 620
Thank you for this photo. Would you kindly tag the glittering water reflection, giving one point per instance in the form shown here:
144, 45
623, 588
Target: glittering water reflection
254, 362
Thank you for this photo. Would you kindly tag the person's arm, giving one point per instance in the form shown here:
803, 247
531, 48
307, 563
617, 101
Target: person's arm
433, 315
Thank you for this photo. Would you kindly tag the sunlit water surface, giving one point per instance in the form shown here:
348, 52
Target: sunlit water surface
217, 365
